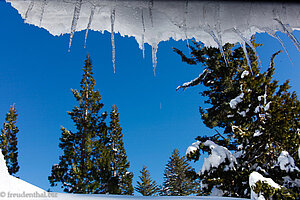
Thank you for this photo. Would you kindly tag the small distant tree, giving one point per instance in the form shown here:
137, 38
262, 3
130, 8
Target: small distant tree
177, 181
121, 180
146, 186
9, 142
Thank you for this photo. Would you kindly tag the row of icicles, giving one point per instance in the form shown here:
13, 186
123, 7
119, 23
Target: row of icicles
215, 35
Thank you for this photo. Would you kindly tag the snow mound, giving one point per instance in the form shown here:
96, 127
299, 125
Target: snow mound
12, 185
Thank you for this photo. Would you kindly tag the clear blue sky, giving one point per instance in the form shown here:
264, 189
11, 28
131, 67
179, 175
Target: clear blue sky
37, 73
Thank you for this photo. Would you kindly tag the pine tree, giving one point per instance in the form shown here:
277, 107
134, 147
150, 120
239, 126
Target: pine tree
83, 167
177, 181
146, 186
9, 142
259, 119
121, 179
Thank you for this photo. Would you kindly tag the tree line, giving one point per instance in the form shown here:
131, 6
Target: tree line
256, 131
94, 159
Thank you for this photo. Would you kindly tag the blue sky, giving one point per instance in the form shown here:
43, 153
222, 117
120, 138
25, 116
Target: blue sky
38, 72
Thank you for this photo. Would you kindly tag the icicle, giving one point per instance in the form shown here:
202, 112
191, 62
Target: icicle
42, 13
150, 11
219, 42
282, 44
154, 58
289, 34
75, 20
89, 24
243, 45
29, 9
185, 26
143, 36
112, 18
248, 42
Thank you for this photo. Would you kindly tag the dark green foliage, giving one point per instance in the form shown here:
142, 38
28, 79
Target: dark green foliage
94, 159
9, 142
80, 166
177, 179
269, 192
146, 186
121, 179
258, 128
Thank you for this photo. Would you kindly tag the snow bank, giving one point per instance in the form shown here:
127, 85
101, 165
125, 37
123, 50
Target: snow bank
11, 186
218, 156
254, 178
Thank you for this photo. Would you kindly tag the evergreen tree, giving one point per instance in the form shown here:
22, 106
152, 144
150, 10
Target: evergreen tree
260, 120
147, 186
121, 179
9, 142
84, 165
177, 181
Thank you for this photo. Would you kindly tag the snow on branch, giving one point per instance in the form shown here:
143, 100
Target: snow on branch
286, 162
256, 177
195, 81
192, 148
217, 156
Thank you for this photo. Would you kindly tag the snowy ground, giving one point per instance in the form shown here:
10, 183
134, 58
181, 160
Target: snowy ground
14, 188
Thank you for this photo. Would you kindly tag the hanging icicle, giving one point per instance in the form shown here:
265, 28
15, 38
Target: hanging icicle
75, 20
185, 25
289, 34
89, 24
150, 11
248, 42
143, 35
282, 44
29, 9
219, 42
154, 58
112, 18
243, 45
42, 12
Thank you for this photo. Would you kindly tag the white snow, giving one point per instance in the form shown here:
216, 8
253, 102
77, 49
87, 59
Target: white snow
299, 153
195, 81
233, 103
214, 24
3, 168
10, 184
245, 73
14, 188
192, 148
217, 156
254, 178
267, 107
286, 162
257, 133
